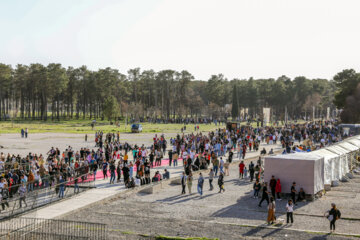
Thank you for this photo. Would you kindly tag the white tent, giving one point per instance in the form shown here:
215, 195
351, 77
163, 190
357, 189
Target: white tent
354, 141
307, 170
344, 160
353, 152
331, 165
348, 146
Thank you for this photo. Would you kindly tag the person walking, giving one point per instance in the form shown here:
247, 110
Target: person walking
4, 196
251, 171
265, 195
61, 186
189, 182
118, 171
175, 157
243, 151
226, 166
131, 170
112, 172
289, 211
183, 183
215, 165
170, 153
211, 178
221, 165
76, 186
333, 215
256, 187
200, 184
239, 150
95, 168
126, 171
245, 173
271, 211
22, 193
221, 182
104, 168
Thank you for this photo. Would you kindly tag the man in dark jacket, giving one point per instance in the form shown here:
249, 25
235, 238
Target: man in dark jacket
273, 186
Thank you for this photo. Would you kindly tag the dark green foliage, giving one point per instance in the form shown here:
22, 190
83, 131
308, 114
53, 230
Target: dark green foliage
235, 105
42, 92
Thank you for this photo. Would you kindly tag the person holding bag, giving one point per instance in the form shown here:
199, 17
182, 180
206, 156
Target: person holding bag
332, 215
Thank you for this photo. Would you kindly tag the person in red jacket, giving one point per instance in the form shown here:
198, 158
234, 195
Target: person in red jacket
241, 169
278, 189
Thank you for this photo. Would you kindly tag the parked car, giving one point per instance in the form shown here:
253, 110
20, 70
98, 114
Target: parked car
136, 128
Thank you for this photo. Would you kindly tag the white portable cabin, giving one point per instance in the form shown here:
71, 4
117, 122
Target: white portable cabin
306, 169
331, 165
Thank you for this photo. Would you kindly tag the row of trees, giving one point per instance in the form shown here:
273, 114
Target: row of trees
39, 92
347, 96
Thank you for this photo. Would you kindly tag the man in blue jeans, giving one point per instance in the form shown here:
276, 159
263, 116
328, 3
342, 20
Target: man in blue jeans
62, 187
112, 172
200, 184
216, 165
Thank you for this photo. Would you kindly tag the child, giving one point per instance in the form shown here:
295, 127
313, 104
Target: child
289, 211
245, 172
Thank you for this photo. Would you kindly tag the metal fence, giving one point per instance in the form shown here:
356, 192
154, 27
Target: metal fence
37, 228
43, 196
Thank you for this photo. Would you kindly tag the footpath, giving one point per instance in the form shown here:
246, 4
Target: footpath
105, 191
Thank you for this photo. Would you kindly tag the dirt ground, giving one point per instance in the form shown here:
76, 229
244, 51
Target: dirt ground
230, 215
41, 143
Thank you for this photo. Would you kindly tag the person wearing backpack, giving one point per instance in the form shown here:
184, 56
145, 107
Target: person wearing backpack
333, 215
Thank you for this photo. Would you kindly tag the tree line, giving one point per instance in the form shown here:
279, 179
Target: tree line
38, 92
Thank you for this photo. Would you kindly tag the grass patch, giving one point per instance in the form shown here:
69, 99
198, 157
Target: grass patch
84, 126
160, 237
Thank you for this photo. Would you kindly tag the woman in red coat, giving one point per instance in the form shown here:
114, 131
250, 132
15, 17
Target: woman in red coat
278, 189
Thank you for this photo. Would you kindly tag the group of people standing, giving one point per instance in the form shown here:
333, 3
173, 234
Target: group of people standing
24, 133
187, 180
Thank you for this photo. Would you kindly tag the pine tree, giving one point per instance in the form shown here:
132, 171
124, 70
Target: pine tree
235, 105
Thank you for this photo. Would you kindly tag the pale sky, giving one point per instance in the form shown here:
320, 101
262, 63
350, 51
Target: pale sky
239, 38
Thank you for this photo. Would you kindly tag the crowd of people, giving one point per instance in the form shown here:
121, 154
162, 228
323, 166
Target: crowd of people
131, 164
